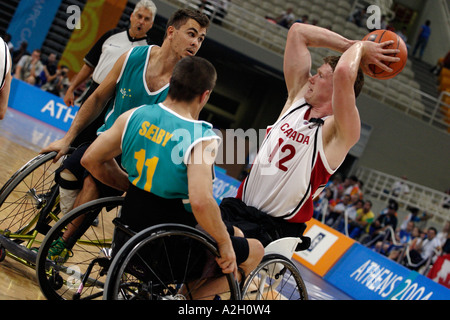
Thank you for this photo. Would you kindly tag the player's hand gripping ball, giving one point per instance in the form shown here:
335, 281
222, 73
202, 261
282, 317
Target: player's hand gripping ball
383, 36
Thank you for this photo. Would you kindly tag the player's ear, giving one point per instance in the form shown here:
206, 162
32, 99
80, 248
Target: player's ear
169, 32
204, 97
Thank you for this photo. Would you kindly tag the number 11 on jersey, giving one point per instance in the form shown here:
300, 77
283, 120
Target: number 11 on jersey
151, 167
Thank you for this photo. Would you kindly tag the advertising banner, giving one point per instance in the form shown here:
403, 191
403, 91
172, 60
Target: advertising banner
31, 22
327, 246
41, 105
224, 186
366, 275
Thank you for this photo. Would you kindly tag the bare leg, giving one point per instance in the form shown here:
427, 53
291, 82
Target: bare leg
88, 193
211, 287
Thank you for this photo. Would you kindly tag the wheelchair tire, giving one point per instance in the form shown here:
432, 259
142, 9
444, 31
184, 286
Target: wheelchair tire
157, 277
60, 279
275, 278
27, 193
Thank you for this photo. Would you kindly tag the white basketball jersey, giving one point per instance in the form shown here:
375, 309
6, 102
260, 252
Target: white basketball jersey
290, 168
5, 62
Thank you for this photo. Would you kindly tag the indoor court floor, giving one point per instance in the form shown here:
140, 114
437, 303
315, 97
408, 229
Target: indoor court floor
21, 138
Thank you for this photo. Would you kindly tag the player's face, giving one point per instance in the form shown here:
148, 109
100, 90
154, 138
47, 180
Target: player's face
188, 39
320, 88
140, 22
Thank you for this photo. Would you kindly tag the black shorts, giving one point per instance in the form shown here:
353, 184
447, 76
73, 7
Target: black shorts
73, 164
143, 209
257, 224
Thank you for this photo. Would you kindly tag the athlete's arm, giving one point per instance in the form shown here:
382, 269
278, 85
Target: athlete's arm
297, 58
205, 207
85, 72
4, 94
99, 158
342, 130
90, 110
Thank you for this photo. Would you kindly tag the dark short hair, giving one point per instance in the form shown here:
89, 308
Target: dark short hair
359, 81
181, 16
191, 77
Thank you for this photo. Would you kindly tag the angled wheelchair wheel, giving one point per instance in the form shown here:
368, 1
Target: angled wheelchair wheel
78, 270
168, 262
275, 278
29, 196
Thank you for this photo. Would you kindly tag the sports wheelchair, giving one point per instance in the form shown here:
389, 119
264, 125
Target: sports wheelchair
162, 262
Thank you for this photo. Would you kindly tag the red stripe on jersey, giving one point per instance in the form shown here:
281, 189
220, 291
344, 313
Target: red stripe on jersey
319, 177
240, 189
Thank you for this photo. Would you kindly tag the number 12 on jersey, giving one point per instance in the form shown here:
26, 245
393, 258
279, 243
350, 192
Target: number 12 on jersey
151, 167
287, 148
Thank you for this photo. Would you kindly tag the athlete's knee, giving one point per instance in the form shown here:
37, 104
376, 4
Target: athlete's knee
69, 192
90, 188
256, 253
238, 232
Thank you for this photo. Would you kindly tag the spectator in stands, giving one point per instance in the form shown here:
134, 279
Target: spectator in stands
5, 77
403, 238
381, 225
337, 212
19, 53
50, 68
422, 39
102, 56
402, 34
446, 246
323, 204
413, 215
58, 86
286, 19
442, 63
359, 17
383, 22
29, 68
303, 19
352, 186
350, 214
337, 186
400, 188
442, 235
364, 218
424, 249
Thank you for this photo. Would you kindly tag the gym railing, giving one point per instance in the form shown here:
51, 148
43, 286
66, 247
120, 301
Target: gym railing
378, 185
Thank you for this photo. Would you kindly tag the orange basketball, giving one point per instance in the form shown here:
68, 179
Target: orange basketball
386, 35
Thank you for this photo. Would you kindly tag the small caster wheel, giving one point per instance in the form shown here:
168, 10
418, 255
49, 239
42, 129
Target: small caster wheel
2, 253
57, 281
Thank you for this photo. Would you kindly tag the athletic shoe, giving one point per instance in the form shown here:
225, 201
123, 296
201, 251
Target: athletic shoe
58, 251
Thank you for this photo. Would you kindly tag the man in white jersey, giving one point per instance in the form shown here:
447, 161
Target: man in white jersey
5, 77
313, 134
